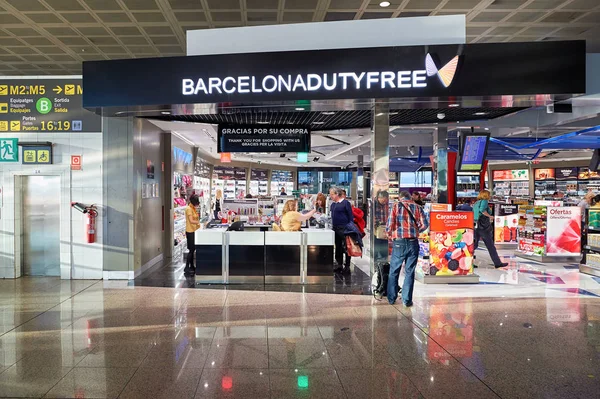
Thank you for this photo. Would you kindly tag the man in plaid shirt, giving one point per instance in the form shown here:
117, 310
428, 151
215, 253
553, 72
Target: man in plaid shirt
406, 221
381, 212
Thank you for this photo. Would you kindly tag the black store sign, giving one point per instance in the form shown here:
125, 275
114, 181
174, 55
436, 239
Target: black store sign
263, 138
379, 72
240, 173
506, 210
566, 173
259, 175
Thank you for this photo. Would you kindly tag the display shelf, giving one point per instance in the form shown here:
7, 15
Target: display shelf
540, 225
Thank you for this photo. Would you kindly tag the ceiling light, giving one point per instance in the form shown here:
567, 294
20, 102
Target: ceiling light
393, 113
262, 123
384, 4
166, 112
318, 123
454, 105
328, 113
486, 128
299, 109
480, 113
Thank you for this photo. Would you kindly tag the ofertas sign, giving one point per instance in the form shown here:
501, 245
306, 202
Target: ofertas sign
260, 138
563, 231
376, 72
451, 243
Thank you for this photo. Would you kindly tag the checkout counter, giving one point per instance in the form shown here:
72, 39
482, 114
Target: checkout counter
270, 257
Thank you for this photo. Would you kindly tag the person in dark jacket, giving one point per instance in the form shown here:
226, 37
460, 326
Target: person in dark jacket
341, 215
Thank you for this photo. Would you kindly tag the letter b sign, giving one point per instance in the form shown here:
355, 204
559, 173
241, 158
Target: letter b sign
43, 105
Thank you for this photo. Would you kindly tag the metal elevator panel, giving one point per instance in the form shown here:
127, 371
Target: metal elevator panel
41, 225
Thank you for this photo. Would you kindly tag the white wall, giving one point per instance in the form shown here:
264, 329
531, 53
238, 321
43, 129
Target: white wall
79, 260
444, 29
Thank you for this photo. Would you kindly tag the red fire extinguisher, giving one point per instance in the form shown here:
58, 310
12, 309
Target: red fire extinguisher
90, 228
90, 224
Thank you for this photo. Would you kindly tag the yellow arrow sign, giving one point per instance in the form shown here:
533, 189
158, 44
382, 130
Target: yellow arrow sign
57, 90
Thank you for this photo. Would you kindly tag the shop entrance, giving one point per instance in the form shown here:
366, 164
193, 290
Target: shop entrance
40, 225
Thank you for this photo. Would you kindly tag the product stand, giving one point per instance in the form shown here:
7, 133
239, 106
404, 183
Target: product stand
506, 223
446, 250
549, 233
591, 251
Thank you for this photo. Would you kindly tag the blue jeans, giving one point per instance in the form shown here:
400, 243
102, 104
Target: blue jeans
405, 251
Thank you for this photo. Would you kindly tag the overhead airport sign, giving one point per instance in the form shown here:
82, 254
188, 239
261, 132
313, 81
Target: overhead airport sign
32, 105
262, 138
380, 72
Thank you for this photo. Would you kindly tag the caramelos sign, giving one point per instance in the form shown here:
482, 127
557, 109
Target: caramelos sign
455, 216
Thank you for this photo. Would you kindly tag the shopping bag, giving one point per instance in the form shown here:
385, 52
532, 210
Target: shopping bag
352, 248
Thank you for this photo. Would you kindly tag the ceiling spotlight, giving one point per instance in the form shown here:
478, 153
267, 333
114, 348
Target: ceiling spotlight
411, 149
480, 113
328, 113
281, 155
316, 159
530, 134
262, 123
384, 4
299, 109
396, 151
166, 112
318, 123
454, 105
441, 115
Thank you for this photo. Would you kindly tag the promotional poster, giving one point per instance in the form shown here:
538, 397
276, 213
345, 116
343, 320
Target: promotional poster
506, 222
564, 231
451, 243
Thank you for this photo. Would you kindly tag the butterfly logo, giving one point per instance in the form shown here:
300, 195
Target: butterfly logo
446, 73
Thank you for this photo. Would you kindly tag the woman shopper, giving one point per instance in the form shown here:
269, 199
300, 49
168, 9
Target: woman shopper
321, 203
192, 223
341, 215
218, 203
291, 219
484, 228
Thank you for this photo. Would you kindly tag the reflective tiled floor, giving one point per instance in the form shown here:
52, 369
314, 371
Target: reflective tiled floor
519, 335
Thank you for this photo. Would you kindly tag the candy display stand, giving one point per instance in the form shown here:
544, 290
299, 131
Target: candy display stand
450, 254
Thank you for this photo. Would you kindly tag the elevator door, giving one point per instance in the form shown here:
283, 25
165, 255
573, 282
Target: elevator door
41, 225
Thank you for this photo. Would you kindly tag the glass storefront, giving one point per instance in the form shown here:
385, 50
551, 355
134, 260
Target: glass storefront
320, 181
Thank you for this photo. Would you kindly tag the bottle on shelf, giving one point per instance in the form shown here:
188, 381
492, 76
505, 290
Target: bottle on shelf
506, 231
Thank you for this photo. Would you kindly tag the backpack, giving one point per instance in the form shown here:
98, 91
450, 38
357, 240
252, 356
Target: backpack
380, 278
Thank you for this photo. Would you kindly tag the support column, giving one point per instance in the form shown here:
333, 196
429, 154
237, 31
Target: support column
360, 182
440, 166
380, 181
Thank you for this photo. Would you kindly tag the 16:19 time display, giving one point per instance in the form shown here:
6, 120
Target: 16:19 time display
56, 125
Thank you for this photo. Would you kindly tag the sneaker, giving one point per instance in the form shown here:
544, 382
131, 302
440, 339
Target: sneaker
338, 269
408, 304
378, 296
346, 270
501, 265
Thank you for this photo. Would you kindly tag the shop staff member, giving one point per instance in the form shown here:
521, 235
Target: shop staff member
282, 191
405, 222
192, 223
291, 219
341, 215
